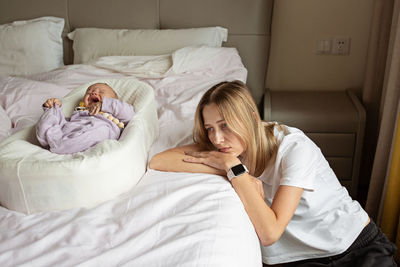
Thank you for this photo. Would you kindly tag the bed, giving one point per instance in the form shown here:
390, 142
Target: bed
162, 219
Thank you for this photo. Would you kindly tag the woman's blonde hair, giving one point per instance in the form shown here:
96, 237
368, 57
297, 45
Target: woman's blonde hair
237, 107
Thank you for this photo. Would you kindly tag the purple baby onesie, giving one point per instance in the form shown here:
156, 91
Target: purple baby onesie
81, 131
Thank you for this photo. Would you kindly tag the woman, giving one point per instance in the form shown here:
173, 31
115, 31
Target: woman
305, 217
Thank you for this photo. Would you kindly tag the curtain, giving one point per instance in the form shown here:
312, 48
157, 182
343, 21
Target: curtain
382, 203
391, 205
383, 200
372, 91
390, 91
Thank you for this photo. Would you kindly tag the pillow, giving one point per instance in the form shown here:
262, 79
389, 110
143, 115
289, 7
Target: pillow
92, 43
31, 46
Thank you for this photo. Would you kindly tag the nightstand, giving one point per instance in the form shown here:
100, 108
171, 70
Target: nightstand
335, 121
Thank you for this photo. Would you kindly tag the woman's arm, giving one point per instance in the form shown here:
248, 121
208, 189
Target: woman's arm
172, 160
269, 222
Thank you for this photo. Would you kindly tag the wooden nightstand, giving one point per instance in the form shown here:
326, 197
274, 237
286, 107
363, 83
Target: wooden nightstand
335, 121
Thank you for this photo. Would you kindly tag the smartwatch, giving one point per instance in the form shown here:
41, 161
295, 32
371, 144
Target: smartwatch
236, 171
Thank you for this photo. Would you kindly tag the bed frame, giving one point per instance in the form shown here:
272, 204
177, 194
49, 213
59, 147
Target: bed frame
248, 22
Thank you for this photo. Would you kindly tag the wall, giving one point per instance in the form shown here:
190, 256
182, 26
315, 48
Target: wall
296, 27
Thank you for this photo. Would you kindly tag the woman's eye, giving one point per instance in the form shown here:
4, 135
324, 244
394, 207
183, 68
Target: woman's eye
210, 129
224, 125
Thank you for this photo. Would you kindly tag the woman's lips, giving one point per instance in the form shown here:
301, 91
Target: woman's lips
224, 149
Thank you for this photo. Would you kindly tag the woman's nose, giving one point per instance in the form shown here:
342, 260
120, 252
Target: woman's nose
218, 137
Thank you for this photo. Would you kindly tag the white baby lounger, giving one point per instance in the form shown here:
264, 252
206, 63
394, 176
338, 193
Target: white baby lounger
32, 179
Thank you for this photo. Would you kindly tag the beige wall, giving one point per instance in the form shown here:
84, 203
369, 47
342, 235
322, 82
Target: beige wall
296, 27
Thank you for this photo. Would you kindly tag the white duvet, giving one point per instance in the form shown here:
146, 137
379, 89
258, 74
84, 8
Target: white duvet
167, 219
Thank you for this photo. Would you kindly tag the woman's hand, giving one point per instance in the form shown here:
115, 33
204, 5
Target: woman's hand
94, 108
221, 161
215, 159
172, 160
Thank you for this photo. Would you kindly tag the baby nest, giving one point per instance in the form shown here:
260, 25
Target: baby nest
32, 179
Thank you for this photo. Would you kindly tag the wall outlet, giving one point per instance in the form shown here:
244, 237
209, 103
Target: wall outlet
341, 46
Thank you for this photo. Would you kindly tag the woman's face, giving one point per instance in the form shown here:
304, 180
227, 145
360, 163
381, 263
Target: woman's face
97, 92
220, 135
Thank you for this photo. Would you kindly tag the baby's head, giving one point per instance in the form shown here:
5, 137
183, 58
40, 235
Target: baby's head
97, 92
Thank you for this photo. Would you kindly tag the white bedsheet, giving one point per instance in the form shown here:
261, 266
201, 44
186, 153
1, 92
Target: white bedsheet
167, 219
191, 220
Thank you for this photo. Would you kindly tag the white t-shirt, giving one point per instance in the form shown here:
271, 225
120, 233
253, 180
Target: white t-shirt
326, 221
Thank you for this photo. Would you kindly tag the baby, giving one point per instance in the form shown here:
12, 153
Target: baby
102, 117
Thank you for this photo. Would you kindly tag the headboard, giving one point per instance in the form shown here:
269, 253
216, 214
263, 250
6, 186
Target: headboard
248, 22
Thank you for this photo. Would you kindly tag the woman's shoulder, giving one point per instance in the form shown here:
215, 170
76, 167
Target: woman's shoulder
282, 131
289, 138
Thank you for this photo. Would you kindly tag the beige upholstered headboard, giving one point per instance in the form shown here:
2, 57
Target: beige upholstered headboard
248, 22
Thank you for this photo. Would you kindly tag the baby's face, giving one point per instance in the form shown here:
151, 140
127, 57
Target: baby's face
97, 92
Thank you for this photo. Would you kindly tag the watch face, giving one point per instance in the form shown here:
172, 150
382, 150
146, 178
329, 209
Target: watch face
238, 169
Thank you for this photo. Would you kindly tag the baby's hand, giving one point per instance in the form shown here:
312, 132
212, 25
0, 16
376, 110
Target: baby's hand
94, 108
51, 102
